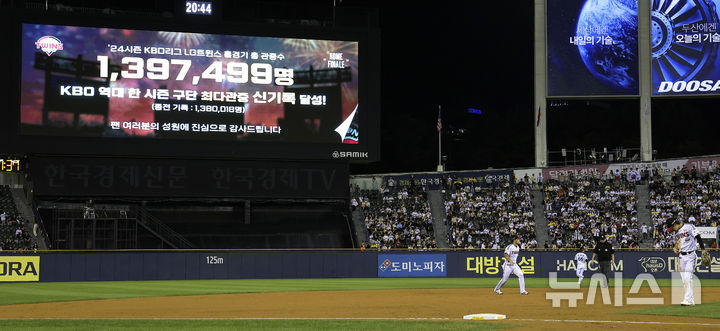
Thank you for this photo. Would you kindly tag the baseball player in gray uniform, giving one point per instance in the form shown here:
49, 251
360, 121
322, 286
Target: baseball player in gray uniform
688, 240
510, 267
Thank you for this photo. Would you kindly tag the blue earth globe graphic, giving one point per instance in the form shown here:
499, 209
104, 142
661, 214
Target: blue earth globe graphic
615, 65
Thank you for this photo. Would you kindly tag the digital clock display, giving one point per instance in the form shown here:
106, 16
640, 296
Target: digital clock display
10, 165
198, 7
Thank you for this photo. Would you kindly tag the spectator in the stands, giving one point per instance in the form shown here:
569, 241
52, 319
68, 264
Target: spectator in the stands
489, 217
579, 206
400, 219
691, 195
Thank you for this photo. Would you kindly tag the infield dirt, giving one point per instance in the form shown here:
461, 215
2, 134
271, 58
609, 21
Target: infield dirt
532, 311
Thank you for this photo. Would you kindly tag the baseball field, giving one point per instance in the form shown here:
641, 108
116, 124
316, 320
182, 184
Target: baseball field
337, 304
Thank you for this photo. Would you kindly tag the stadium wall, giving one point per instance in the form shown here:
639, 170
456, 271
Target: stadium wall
183, 265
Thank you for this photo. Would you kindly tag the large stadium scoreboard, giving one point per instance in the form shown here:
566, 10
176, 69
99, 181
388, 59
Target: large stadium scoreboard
158, 89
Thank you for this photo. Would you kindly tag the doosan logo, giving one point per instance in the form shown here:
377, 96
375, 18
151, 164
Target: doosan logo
691, 86
49, 44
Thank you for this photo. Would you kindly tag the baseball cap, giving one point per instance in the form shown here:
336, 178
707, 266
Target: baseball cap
669, 224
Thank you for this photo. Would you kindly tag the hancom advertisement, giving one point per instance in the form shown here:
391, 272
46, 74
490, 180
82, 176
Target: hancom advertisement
684, 40
412, 265
592, 47
19, 268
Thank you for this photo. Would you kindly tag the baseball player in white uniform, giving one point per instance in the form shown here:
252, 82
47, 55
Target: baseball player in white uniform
688, 240
581, 264
510, 267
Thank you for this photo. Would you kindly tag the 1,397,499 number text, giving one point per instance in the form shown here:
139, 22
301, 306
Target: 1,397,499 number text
232, 72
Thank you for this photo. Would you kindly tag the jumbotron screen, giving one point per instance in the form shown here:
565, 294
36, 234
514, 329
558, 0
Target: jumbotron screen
140, 84
592, 47
685, 37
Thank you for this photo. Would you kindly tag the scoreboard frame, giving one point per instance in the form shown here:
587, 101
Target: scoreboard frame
368, 150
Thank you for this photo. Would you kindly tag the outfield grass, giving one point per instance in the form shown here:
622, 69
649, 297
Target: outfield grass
310, 325
707, 310
18, 293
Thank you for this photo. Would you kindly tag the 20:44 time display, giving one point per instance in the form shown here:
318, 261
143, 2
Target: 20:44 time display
232, 72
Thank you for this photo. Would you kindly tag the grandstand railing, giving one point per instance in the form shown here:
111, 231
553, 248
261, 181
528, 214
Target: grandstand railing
43, 235
162, 231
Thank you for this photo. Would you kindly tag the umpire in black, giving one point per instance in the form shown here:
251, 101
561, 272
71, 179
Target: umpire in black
605, 254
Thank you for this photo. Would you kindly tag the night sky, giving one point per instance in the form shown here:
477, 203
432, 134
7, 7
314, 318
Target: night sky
460, 56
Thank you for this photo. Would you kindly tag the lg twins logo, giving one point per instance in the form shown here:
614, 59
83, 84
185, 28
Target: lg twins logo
49, 44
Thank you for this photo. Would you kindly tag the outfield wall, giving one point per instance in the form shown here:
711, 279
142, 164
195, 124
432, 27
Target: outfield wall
181, 265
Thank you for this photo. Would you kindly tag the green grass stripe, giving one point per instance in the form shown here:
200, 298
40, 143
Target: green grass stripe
17, 293
706, 310
175, 325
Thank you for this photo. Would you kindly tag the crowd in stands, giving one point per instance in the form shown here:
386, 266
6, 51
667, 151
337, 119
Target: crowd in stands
13, 235
480, 217
579, 209
687, 194
582, 207
397, 217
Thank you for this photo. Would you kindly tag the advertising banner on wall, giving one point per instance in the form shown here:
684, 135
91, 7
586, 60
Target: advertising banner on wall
666, 166
586, 170
121, 266
78, 176
412, 265
707, 232
437, 180
661, 264
592, 47
685, 40
19, 268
